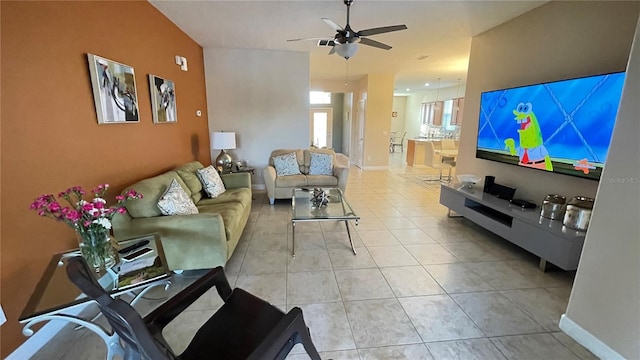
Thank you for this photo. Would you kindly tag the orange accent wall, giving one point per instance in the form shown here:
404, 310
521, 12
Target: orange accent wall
50, 138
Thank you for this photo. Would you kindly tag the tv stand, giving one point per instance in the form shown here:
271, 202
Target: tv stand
543, 237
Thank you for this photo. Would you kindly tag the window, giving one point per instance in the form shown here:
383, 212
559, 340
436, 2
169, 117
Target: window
319, 98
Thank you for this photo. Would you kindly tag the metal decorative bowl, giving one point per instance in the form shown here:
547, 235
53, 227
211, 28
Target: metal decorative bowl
468, 180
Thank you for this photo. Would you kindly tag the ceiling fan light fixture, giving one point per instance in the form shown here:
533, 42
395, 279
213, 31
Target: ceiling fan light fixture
346, 50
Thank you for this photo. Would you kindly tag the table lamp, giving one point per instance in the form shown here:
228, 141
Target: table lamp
223, 141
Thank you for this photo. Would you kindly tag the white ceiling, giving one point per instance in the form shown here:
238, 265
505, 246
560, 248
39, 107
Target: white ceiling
438, 31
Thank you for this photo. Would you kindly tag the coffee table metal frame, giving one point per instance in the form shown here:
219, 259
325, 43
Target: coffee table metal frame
338, 209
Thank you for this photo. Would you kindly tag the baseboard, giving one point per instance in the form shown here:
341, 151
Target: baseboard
40, 338
385, 167
586, 339
258, 187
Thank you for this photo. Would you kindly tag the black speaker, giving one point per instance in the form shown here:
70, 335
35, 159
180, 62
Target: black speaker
501, 191
488, 183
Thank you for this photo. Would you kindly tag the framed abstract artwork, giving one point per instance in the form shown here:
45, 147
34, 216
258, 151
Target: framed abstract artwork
163, 100
114, 91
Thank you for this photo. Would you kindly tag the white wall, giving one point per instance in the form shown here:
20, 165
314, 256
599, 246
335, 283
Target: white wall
263, 96
606, 293
558, 40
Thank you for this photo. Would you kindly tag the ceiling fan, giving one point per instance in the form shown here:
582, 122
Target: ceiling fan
345, 42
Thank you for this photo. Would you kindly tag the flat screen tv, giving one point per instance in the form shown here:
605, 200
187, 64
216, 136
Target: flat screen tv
562, 126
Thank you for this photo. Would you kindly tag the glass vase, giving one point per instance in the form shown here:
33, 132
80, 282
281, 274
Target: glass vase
96, 248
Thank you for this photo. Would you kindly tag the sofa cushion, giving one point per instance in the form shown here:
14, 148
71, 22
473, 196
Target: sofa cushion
286, 164
188, 174
211, 181
241, 195
176, 201
322, 180
231, 213
320, 164
291, 181
151, 189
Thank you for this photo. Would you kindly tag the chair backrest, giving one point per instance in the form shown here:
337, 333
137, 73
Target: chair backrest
429, 154
448, 144
123, 319
401, 140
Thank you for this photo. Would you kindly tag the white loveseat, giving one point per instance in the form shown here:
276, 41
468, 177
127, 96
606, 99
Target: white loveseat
281, 187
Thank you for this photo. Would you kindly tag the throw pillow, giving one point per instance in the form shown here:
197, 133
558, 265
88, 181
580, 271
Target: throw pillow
176, 201
320, 164
211, 181
286, 164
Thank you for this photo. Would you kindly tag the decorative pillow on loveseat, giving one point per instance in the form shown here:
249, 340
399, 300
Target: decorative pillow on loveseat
176, 201
211, 181
286, 164
320, 164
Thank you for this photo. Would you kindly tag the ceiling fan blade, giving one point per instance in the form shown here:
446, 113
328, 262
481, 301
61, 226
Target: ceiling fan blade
381, 30
377, 44
303, 39
333, 24
332, 51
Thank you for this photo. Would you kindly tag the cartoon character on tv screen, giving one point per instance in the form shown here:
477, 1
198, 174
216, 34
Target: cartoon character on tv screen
531, 151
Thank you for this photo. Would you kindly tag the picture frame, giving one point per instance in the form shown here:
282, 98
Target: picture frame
114, 91
163, 100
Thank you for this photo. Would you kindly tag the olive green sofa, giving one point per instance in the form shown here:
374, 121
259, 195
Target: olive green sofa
198, 241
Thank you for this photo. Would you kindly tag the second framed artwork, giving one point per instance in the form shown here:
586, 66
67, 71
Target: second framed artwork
163, 100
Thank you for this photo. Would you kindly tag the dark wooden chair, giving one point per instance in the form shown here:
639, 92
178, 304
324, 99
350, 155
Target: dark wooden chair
245, 327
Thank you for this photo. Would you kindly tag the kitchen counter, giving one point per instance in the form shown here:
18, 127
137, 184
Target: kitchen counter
416, 149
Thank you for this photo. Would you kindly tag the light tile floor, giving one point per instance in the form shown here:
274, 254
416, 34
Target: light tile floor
423, 286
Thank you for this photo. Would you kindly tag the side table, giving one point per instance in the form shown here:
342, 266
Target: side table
56, 297
250, 170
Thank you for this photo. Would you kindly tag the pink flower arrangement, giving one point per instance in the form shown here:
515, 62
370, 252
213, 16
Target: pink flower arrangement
82, 215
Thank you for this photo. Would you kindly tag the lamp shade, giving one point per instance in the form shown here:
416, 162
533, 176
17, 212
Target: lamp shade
346, 50
223, 140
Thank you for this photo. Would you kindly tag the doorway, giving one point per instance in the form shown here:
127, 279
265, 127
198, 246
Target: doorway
358, 134
321, 127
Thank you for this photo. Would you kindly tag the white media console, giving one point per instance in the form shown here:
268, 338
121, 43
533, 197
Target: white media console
548, 239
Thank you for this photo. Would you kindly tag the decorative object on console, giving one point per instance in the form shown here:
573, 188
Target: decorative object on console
553, 206
114, 91
223, 141
163, 100
501, 191
578, 213
468, 180
320, 198
91, 220
524, 204
488, 183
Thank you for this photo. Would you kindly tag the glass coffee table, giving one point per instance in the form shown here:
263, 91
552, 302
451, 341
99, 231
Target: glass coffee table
337, 209
57, 298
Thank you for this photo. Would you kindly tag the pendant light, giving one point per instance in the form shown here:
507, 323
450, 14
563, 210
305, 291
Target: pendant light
458, 96
437, 94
